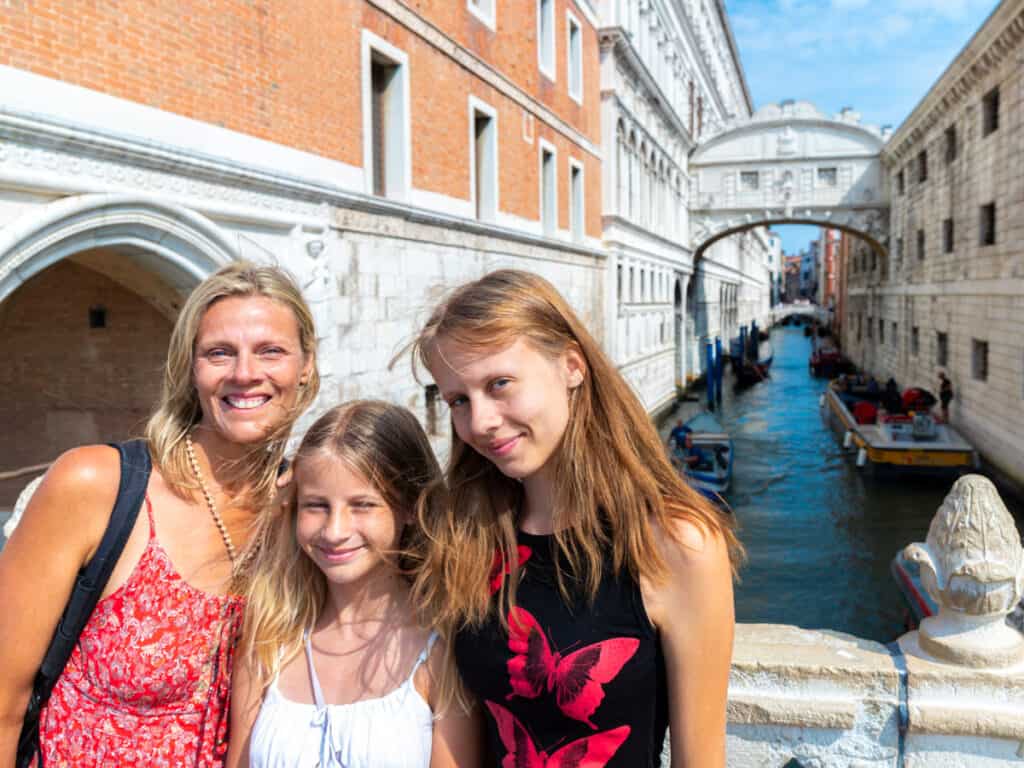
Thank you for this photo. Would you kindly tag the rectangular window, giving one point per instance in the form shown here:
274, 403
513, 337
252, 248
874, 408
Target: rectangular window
947, 235
576, 219
693, 107
386, 140
749, 181
899, 248
700, 115
881, 331
987, 224
548, 189
941, 349
920, 245
979, 360
483, 10
900, 183
915, 341
895, 335
827, 177
575, 47
951, 145
990, 112
922, 166
618, 282
546, 37
860, 323
871, 327
484, 166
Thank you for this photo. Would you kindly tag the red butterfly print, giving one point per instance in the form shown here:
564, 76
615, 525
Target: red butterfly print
589, 752
576, 678
501, 567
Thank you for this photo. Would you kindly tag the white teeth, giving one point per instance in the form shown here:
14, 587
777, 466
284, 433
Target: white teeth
247, 402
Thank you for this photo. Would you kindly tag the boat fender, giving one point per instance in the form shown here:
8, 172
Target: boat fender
848, 439
821, 401
862, 457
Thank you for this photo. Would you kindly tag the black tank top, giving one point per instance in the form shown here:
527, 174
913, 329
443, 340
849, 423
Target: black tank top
567, 685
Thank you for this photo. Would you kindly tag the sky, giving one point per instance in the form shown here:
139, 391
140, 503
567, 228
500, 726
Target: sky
878, 56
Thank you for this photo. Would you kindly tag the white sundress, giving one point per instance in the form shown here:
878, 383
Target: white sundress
392, 731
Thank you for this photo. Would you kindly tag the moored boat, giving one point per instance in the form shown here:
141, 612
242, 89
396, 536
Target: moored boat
711, 446
908, 440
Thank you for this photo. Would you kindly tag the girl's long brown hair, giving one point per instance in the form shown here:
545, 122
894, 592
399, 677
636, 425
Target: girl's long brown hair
614, 484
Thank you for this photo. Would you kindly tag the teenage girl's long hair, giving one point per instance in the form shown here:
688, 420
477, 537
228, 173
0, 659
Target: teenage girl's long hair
285, 590
615, 488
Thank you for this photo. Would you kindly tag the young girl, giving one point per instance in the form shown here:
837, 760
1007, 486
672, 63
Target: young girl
333, 669
585, 589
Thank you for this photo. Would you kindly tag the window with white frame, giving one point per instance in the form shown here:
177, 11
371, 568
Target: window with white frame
576, 213
749, 181
483, 10
386, 137
546, 37
483, 142
548, 189
575, 57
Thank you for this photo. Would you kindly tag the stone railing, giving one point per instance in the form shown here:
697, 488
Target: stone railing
949, 694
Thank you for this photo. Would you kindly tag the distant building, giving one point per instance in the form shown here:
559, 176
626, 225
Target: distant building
791, 277
828, 244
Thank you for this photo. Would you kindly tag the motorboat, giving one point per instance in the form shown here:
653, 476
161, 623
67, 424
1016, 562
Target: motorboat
897, 432
711, 474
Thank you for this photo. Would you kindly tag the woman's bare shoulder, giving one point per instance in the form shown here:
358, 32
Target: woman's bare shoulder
79, 489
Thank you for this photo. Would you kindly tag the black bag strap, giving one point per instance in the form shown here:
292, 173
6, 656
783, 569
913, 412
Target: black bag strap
92, 579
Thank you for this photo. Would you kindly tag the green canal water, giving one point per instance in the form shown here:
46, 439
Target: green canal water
819, 533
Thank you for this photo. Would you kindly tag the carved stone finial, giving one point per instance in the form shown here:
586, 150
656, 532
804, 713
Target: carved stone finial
972, 565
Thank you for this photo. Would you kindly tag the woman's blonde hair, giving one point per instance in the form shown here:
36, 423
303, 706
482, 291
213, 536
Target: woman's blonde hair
614, 483
179, 410
285, 590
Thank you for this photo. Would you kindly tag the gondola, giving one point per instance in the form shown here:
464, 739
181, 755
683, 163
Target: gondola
712, 474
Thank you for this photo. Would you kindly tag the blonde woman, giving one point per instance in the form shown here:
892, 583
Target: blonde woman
334, 668
148, 682
585, 589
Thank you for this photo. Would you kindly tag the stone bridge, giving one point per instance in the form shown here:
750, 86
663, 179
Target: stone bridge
790, 164
779, 311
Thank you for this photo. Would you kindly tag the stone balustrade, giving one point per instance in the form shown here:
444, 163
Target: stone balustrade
948, 695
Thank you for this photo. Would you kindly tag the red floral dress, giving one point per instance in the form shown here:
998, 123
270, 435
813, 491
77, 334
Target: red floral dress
149, 681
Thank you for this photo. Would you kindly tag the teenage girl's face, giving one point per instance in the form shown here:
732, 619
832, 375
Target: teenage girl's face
342, 522
510, 405
248, 366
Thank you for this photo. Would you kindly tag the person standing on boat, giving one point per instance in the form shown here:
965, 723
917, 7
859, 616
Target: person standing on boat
677, 436
945, 394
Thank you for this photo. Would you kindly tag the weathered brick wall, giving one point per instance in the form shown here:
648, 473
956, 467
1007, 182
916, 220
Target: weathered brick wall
290, 73
65, 383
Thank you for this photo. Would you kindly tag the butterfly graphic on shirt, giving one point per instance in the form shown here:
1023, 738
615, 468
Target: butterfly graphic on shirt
577, 678
501, 567
589, 752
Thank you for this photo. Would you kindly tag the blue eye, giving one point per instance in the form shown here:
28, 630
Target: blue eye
500, 383
456, 401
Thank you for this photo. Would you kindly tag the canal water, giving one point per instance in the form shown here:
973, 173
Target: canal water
819, 533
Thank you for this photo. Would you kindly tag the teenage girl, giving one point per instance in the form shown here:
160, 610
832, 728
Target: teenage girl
585, 589
333, 669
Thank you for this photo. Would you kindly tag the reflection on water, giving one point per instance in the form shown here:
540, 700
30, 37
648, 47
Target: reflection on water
819, 533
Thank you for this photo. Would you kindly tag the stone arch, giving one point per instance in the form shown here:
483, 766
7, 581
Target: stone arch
178, 244
89, 290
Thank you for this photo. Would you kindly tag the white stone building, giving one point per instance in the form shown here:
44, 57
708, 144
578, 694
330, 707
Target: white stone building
949, 293
670, 76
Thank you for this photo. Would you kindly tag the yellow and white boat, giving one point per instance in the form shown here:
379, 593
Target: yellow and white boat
914, 443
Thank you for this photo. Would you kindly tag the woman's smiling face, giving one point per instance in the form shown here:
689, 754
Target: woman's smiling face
511, 405
248, 367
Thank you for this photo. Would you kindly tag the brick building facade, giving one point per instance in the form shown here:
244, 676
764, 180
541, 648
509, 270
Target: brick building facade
381, 150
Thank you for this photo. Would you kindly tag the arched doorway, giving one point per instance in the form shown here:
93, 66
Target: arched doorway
693, 348
89, 289
680, 339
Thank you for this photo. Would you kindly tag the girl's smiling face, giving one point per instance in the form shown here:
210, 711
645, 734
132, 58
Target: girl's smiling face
342, 522
510, 405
